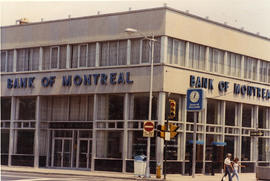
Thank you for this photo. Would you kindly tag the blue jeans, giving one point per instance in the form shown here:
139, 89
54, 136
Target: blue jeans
227, 172
235, 173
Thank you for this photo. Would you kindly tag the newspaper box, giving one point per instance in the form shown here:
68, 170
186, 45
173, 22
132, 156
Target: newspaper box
139, 165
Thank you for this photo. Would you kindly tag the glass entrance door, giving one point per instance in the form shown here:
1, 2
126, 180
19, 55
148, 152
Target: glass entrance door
85, 148
62, 152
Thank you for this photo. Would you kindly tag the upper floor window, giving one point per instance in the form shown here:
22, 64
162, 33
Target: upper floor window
83, 55
264, 67
54, 57
113, 53
250, 68
197, 56
7, 60
27, 59
176, 51
216, 60
234, 64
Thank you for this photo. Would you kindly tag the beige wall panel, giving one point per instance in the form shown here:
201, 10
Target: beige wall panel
86, 29
177, 80
139, 75
213, 35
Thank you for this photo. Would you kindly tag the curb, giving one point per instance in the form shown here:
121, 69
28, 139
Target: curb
79, 174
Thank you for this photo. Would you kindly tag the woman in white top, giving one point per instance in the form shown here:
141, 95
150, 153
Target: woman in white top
236, 166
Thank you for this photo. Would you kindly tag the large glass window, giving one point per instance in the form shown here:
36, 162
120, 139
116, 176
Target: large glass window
91, 54
216, 60
197, 56
268, 72
250, 68
59, 108
245, 155
116, 107
4, 141
141, 107
3, 61
212, 111
262, 117
27, 108
63, 57
27, 59
54, 57
263, 71
246, 115
135, 51
234, 64
264, 149
230, 114
113, 53
25, 142
109, 144
176, 51
5, 108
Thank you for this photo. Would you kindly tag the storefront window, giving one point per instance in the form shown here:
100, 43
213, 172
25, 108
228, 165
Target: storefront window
116, 107
264, 151
245, 156
27, 109
5, 108
246, 115
230, 114
109, 144
4, 141
141, 107
262, 117
137, 145
25, 142
212, 111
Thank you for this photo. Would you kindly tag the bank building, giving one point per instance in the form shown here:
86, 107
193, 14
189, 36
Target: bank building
75, 92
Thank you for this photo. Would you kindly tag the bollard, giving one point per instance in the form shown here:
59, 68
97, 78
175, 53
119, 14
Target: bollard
158, 171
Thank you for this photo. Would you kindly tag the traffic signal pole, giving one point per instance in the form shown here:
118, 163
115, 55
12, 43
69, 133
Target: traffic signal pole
166, 144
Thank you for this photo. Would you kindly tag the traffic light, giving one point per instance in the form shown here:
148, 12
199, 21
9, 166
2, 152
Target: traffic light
172, 109
161, 131
173, 129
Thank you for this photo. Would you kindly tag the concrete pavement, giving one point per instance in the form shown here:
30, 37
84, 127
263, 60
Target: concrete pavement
129, 176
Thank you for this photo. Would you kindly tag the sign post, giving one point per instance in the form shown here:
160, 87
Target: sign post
194, 104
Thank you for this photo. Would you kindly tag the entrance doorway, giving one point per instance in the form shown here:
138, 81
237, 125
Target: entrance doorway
62, 152
84, 154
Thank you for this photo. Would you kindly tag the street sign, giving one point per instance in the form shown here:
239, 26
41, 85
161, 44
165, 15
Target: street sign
256, 133
148, 128
194, 100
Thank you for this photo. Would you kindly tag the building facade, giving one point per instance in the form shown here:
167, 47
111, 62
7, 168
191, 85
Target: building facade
75, 92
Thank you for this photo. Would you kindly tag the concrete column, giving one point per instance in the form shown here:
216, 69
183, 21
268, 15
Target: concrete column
97, 54
161, 120
242, 74
14, 60
222, 119
183, 136
40, 61
37, 133
187, 55
254, 140
204, 118
226, 63
94, 132
128, 51
207, 68
125, 136
163, 49
240, 119
68, 57
11, 130
130, 133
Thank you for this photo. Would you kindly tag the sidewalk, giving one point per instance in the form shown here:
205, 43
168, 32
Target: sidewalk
129, 176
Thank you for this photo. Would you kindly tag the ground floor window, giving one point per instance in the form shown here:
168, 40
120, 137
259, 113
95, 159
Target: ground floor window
245, 156
4, 141
25, 141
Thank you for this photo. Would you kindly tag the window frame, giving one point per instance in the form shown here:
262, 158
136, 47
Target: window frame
79, 55
6, 58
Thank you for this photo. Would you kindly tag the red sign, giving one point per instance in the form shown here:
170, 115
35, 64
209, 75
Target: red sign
148, 128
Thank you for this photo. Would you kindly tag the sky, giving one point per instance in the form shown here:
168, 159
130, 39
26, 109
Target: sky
252, 15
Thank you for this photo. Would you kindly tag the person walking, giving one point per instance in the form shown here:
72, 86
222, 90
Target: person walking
236, 166
227, 167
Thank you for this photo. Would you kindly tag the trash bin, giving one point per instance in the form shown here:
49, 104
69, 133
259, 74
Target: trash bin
139, 165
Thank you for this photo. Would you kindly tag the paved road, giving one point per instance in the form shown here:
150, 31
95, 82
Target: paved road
20, 176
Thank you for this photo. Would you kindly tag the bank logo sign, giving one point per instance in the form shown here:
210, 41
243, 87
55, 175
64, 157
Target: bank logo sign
194, 100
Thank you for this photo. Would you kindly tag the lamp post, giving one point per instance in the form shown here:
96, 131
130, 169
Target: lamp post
151, 44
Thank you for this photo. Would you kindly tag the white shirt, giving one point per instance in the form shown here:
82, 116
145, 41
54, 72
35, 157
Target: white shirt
227, 161
235, 166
